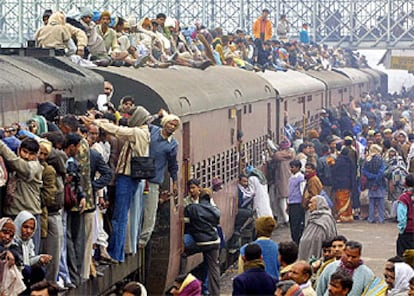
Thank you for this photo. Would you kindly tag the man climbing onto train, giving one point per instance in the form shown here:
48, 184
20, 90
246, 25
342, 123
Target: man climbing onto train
203, 219
163, 148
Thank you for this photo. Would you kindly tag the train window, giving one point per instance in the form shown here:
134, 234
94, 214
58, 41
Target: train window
250, 108
309, 98
285, 106
67, 106
245, 109
203, 177
345, 90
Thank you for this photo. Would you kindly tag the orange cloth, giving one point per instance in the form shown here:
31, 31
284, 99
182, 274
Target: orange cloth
343, 205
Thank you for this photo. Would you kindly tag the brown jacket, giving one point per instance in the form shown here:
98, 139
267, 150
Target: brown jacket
313, 188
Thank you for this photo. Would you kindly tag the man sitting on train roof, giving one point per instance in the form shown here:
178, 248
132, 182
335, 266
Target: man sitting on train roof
58, 34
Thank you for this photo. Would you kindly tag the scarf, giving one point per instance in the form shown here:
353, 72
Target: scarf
247, 195
348, 269
259, 175
403, 273
310, 175
256, 263
3, 221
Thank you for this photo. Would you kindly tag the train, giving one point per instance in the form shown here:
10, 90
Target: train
227, 116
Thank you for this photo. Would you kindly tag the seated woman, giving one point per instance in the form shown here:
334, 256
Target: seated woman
33, 266
321, 226
397, 276
185, 285
11, 280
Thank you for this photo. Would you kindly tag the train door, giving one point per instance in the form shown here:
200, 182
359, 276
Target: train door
279, 116
186, 165
269, 119
239, 121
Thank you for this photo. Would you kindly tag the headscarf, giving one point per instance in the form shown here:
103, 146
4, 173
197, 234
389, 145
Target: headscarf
139, 117
4, 221
252, 171
190, 286
403, 274
41, 123
265, 226
47, 144
170, 117
27, 245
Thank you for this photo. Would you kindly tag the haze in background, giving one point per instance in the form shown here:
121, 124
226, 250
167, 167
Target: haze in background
396, 78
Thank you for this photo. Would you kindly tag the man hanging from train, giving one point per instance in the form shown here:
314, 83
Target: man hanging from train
163, 147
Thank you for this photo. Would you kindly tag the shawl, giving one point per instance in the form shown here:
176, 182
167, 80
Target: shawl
3, 221
403, 274
256, 263
374, 170
27, 246
258, 173
321, 226
190, 287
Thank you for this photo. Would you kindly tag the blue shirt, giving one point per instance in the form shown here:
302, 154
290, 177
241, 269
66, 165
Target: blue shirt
164, 151
270, 253
304, 36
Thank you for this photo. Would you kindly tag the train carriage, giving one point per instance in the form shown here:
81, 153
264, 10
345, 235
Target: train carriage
226, 114
361, 81
27, 81
299, 95
338, 87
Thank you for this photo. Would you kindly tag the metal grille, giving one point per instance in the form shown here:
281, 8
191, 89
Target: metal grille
353, 23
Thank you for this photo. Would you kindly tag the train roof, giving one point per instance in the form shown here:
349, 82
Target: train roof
185, 90
36, 77
331, 79
292, 83
354, 74
375, 74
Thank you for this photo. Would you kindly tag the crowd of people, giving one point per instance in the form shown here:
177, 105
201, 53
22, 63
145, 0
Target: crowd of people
93, 38
357, 166
71, 195
71, 198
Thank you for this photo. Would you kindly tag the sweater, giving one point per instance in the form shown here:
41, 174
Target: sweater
362, 277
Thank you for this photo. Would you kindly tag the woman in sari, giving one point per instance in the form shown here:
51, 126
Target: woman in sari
344, 183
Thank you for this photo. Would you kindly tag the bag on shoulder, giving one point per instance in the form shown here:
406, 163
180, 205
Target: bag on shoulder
70, 197
11, 189
142, 167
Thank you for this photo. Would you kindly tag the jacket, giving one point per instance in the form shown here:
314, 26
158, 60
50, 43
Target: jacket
105, 172
136, 139
268, 32
254, 281
28, 183
203, 221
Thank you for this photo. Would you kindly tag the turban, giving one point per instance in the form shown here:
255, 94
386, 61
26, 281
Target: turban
168, 118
